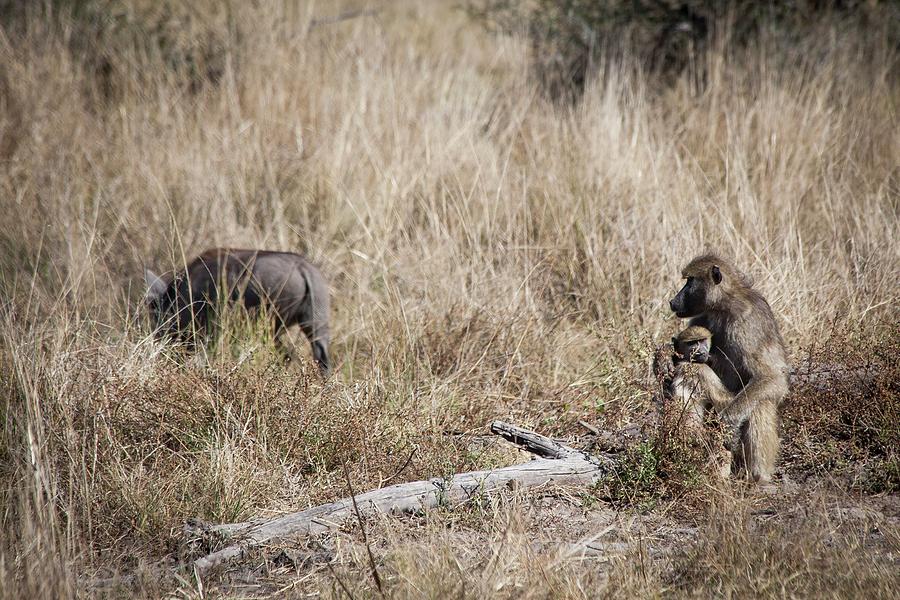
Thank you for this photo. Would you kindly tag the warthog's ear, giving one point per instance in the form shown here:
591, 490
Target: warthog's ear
156, 287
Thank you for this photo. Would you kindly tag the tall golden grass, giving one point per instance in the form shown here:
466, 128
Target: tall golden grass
490, 254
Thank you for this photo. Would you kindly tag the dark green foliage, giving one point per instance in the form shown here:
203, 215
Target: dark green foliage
570, 39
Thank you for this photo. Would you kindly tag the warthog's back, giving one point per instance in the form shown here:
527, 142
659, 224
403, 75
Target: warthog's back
283, 280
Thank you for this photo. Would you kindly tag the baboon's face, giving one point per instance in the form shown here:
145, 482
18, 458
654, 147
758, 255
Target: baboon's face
697, 295
691, 300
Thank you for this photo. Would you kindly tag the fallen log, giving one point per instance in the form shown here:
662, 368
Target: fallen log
560, 465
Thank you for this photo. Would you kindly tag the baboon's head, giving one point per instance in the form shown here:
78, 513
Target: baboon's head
709, 279
693, 344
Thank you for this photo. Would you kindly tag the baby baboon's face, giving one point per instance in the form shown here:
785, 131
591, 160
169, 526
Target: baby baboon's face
696, 351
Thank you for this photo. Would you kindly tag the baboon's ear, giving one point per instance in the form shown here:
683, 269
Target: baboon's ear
156, 287
716, 275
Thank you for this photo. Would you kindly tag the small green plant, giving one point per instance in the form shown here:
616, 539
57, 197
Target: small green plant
669, 461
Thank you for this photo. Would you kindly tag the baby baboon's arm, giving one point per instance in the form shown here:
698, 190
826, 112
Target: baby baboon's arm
663, 366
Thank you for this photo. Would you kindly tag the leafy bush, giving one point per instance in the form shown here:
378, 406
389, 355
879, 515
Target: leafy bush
670, 462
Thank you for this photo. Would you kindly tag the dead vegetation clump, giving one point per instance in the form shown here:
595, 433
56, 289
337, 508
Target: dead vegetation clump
789, 551
842, 418
222, 441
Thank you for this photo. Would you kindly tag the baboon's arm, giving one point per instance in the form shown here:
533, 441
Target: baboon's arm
718, 394
758, 390
663, 367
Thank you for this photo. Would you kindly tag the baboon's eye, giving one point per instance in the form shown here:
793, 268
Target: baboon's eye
716, 275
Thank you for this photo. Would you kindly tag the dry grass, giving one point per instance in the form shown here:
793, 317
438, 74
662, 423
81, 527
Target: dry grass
490, 255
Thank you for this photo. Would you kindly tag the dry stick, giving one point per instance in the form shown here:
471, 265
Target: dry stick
567, 466
399, 471
362, 528
339, 580
589, 427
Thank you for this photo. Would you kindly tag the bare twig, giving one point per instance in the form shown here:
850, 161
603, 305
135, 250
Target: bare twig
402, 468
362, 528
589, 427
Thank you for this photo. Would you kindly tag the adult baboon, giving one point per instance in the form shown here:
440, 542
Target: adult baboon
748, 372
290, 287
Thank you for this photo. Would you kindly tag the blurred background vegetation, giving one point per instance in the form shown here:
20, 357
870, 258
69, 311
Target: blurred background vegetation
573, 40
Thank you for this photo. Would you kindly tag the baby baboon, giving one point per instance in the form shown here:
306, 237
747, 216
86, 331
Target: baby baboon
748, 374
691, 352
692, 347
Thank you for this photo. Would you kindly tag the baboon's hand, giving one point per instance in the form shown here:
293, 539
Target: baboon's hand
732, 427
663, 366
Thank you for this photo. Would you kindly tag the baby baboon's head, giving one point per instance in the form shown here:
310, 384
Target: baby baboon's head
692, 345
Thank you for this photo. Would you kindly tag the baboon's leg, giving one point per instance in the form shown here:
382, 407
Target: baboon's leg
693, 414
719, 461
688, 391
761, 442
723, 460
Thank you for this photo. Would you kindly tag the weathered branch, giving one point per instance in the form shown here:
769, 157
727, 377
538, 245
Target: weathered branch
531, 441
568, 466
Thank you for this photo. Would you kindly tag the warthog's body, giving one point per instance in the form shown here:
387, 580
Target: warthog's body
284, 283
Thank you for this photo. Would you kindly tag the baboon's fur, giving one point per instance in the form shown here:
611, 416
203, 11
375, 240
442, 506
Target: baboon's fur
748, 369
289, 286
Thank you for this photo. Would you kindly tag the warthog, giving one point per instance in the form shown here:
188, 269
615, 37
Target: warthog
285, 284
